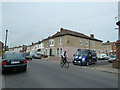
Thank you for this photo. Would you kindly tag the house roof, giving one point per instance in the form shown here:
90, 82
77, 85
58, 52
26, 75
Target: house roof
1, 42
108, 43
71, 33
35, 43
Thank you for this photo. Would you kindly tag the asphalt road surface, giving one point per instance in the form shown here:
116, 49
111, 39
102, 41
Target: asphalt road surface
49, 74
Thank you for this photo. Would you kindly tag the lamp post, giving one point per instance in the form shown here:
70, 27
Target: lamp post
6, 39
116, 63
118, 42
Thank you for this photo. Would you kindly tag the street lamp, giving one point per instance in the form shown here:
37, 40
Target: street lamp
116, 63
118, 42
6, 39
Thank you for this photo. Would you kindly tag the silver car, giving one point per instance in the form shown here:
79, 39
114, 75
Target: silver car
111, 58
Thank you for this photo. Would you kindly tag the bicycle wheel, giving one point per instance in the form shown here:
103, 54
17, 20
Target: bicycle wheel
67, 64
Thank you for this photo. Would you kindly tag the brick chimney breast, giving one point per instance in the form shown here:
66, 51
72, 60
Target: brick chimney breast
92, 35
61, 29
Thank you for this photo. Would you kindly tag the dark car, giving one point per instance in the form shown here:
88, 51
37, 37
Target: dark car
13, 61
27, 56
85, 57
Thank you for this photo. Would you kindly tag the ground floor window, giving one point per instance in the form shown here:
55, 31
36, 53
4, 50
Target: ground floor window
61, 51
46, 52
57, 51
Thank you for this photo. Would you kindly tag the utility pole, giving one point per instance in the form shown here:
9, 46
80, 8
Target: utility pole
6, 39
116, 63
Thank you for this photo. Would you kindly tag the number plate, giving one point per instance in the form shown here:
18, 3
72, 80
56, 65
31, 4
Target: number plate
14, 62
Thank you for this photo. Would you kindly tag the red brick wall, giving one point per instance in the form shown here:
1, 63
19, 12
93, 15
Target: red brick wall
114, 48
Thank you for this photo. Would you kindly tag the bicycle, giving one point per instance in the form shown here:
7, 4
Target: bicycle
66, 64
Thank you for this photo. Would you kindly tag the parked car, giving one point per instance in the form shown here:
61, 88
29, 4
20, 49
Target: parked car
27, 56
85, 57
35, 54
13, 61
102, 56
112, 57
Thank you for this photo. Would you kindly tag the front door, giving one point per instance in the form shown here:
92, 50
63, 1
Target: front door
50, 52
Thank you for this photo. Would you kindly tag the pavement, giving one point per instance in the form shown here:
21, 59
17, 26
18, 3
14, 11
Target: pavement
106, 68
0, 75
101, 65
43, 73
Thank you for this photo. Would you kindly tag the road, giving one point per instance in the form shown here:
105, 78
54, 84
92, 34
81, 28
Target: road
48, 74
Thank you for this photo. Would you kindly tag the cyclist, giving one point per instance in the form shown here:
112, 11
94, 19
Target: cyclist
64, 57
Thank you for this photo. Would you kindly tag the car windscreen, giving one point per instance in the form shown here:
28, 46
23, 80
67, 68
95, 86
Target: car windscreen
82, 53
12, 56
112, 56
38, 53
93, 53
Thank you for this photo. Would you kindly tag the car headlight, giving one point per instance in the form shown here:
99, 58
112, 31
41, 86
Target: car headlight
80, 57
76, 57
75, 61
83, 59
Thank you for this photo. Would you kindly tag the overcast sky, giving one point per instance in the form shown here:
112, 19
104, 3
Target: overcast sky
30, 22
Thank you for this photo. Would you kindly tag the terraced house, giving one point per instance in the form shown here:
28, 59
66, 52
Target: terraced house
38, 46
19, 48
109, 48
70, 41
1, 47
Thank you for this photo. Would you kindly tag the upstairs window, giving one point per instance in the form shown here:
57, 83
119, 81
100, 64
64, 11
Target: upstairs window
93, 43
87, 42
51, 42
60, 40
80, 41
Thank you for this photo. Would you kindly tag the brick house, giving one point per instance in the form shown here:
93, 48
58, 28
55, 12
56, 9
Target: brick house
28, 48
70, 41
19, 48
1, 47
34, 47
109, 48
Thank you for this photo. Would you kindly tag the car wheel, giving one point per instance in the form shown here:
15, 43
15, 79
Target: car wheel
25, 69
94, 62
110, 61
73, 63
3, 71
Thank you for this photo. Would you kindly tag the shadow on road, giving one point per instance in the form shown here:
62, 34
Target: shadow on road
13, 72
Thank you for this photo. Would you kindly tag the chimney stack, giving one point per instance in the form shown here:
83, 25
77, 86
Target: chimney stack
92, 35
61, 29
